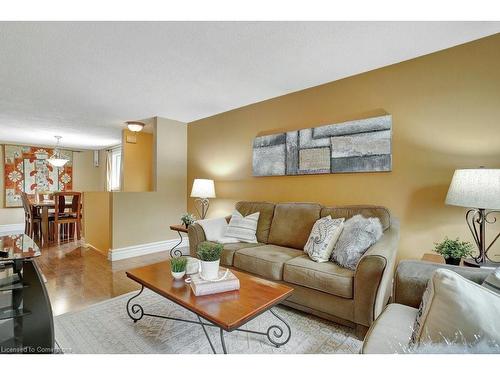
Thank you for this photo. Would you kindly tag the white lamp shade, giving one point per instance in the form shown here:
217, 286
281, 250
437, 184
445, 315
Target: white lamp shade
203, 188
475, 188
56, 162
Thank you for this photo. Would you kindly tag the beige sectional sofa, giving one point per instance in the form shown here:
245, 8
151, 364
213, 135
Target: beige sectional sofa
353, 298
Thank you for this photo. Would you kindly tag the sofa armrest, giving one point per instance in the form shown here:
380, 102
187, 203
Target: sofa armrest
373, 277
412, 277
195, 235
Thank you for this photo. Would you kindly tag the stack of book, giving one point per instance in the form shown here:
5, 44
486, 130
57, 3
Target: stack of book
203, 287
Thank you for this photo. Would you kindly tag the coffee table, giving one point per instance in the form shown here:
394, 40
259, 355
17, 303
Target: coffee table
227, 311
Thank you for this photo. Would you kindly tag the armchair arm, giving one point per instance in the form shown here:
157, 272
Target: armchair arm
412, 277
373, 277
195, 235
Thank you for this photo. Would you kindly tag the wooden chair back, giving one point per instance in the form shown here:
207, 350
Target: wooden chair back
61, 207
28, 211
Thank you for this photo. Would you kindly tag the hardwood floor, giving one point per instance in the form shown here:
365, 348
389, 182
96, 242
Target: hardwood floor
78, 276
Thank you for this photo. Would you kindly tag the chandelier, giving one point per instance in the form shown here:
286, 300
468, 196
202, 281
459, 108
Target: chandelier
57, 160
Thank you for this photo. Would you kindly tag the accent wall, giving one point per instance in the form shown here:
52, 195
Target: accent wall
445, 111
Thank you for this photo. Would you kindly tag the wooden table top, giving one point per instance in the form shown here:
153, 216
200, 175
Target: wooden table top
228, 310
436, 258
179, 228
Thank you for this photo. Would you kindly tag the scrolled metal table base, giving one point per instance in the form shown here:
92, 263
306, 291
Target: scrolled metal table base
277, 335
174, 252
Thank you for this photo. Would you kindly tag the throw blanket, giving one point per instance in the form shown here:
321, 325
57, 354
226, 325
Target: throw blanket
214, 230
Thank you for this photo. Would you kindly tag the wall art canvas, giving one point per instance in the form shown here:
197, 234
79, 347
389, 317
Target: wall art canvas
26, 169
353, 146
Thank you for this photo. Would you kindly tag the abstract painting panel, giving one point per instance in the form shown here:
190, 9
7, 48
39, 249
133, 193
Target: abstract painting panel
27, 169
353, 146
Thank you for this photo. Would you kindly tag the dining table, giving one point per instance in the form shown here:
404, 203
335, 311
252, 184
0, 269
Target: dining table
44, 205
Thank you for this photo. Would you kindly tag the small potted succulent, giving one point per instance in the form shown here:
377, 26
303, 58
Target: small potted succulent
453, 250
187, 219
209, 254
178, 267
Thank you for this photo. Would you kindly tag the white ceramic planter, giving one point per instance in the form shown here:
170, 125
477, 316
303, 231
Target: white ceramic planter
178, 275
193, 266
210, 270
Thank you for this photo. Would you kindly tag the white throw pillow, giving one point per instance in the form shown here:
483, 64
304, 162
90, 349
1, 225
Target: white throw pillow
492, 282
358, 235
243, 227
323, 237
457, 310
215, 230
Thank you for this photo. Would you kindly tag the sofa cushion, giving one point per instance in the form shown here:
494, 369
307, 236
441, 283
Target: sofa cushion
327, 277
266, 210
391, 332
457, 309
365, 210
227, 256
266, 261
292, 224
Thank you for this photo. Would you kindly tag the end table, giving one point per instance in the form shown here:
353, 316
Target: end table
179, 228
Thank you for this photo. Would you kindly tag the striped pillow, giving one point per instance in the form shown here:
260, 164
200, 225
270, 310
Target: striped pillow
492, 282
243, 228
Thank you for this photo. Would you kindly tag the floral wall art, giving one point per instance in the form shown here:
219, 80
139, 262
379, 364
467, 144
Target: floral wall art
26, 169
352, 146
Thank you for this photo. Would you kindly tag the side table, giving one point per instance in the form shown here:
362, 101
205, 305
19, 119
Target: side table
436, 258
179, 228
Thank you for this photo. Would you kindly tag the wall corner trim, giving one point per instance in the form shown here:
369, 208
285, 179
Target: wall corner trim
11, 228
147, 248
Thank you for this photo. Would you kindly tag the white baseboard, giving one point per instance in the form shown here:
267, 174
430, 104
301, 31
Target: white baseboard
11, 228
147, 248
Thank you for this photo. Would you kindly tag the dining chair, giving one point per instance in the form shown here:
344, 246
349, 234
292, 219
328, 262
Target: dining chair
32, 219
68, 216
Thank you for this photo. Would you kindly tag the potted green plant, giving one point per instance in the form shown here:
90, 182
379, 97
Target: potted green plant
209, 254
187, 219
178, 267
453, 250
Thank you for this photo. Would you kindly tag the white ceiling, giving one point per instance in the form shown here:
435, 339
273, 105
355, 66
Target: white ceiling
82, 80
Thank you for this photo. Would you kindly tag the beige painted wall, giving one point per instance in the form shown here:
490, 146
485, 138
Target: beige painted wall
446, 113
140, 218
137, 159
86, 177
97, 220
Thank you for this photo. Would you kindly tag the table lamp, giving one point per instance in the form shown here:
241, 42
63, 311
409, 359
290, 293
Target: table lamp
202, 190
478, 190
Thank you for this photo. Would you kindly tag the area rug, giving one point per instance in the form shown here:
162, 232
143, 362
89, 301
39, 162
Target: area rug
106, 328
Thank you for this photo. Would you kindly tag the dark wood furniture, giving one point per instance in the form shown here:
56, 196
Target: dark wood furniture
27, 323
32, 219
179, 228
227, 311
67, 206
44, 206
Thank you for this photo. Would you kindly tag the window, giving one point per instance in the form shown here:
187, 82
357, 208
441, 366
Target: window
115, 166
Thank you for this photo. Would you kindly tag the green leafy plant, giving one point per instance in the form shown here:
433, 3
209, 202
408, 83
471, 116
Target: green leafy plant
178, 264
187, 219
454, 249
209, 251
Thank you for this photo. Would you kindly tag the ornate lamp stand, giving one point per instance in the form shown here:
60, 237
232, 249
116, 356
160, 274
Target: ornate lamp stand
477, 218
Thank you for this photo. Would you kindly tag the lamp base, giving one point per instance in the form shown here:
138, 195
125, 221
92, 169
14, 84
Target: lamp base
486, 264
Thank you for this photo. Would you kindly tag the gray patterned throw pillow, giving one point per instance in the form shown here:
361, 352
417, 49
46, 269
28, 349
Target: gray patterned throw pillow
358, 235
324, 235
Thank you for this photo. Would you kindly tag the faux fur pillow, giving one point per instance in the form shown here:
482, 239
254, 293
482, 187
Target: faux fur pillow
358, 235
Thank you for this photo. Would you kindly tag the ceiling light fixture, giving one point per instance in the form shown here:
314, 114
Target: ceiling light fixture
57, 160
135, 126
